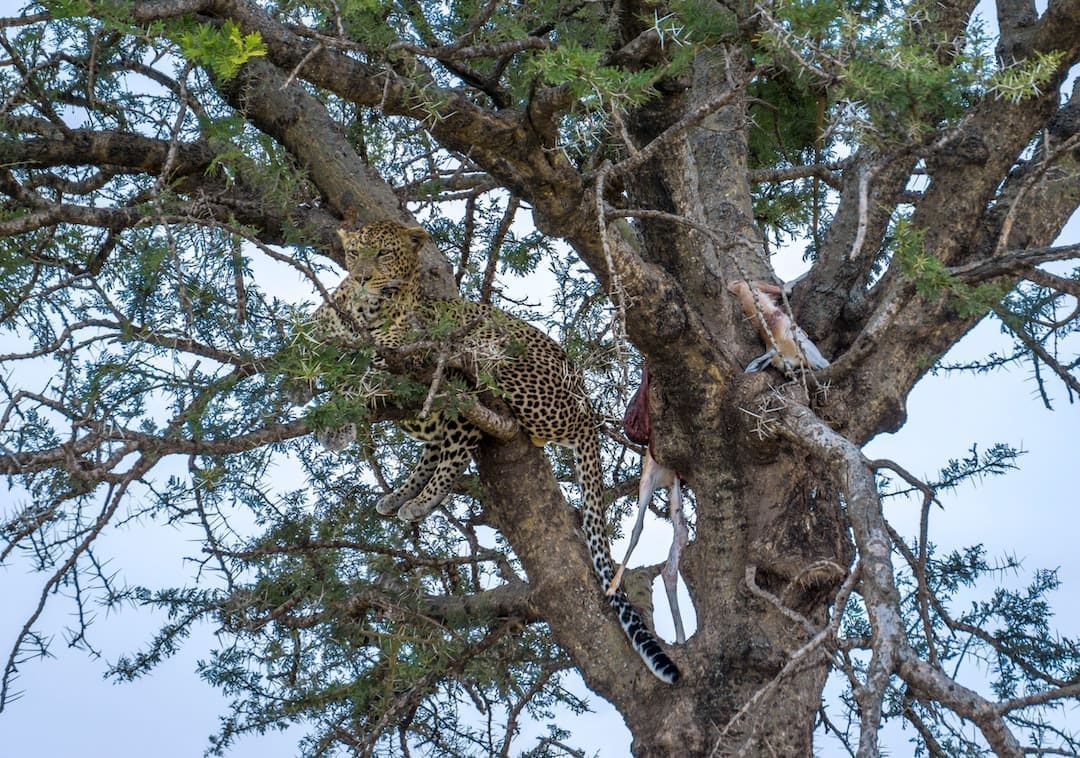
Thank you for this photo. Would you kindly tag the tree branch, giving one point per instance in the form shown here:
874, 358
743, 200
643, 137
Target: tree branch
41, 460
1015, 262
133, 152
891, 651
964, 702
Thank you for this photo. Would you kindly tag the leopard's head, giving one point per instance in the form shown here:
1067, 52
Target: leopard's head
383, 253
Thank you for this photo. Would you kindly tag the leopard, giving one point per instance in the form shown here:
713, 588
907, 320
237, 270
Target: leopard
381, 300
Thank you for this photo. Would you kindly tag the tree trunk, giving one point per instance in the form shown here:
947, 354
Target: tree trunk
769, 530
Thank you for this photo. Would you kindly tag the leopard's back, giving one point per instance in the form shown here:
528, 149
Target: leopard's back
532, 375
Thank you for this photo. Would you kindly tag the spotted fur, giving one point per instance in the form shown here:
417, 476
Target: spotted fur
381, 297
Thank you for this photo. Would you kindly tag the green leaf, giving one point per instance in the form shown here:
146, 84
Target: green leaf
223, 50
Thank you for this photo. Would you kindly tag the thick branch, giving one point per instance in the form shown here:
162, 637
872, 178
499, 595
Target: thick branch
892, 652
505, 144
934, 683
132, 152
889, 341
300, 123
525, 503
1017, 263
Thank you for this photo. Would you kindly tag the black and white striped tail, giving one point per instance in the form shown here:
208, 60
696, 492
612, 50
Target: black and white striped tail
643, 640
592, 517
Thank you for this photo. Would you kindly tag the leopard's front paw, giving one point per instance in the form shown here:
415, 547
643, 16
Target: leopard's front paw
414, 510
389, 504
297, 391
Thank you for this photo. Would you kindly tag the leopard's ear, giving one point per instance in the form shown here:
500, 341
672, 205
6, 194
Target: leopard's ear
417, 235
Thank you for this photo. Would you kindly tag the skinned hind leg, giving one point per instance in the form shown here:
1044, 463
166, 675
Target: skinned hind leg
670, 572
654, 476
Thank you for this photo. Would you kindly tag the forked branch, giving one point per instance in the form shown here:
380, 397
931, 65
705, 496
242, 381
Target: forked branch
892, 653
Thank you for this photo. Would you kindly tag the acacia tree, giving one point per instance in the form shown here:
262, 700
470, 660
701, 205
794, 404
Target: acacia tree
165, 161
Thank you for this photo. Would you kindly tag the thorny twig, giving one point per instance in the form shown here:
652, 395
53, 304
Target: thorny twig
693, 117
767, 414
141, 467
1010, 322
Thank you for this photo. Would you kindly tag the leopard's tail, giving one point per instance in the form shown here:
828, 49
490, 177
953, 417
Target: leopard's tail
590, 474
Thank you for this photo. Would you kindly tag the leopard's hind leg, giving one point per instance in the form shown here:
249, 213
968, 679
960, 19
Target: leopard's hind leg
418, 479
447, 450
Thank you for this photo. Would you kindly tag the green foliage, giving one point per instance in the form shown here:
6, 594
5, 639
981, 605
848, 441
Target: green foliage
888, 78
1025, 79
327, 619
996, 460
698, 22
223, 50
932, 279
65, 9
589, 81
787, 116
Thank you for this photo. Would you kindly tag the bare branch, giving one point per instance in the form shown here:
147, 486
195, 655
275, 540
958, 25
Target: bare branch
690, 119
919, 566
791, 614
1058, 283
866, 175
1042, 164
1038, 698
30, 18
515, 712
1014, 262
825, 172
891, 651
150, 445
965, 702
